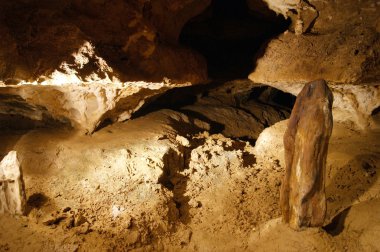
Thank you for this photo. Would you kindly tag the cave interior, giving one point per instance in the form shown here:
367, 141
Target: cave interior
171, 125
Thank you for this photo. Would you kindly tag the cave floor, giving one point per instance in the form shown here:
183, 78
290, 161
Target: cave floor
162, 182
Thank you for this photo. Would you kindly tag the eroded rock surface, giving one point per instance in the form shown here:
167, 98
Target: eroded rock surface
81, 41
76, 59
237, 109
12, 191
306, 140
162, 182
336, 47
83, 106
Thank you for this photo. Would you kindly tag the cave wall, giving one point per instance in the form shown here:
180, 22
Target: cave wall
82, 63
88, 52
338, 41
94, 40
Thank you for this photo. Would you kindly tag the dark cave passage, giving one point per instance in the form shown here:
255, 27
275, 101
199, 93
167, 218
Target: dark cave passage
229, 35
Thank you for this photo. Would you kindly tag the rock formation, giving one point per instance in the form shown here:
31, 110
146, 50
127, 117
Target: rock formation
168, 165
341, 45
91, 60
12, 192
306, 140
96, 40
81, 106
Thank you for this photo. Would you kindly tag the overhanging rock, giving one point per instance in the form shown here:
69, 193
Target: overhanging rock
82, 106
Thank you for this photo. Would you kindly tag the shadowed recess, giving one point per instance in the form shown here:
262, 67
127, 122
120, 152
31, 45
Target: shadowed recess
229, 35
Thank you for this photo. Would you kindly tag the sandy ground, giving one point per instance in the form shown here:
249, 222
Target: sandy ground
161, 182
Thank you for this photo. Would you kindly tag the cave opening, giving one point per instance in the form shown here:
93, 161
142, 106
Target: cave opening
230, 36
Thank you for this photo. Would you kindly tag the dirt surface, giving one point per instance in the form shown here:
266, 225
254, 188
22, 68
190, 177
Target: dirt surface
162, 182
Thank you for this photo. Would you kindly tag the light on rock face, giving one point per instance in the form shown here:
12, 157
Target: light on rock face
12, 192
302, 199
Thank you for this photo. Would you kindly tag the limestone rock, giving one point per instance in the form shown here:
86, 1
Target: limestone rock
82, 106
306, 142
67, 72
230, 109
338, 57
335, 47
269, 144
353, 104
12, 192
133, 40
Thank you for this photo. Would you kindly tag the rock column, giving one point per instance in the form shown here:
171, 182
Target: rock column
306, 140
12, 192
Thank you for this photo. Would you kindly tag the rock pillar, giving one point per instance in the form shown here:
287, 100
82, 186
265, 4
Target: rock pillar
306, 140
12, 192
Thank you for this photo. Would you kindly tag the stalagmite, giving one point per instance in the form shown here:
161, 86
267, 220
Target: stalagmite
306, 142
12, 192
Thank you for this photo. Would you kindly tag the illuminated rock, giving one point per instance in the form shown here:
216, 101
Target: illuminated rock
134, 40
353, 104
306, 140
81, 106
335, 47
67, 72
12, 192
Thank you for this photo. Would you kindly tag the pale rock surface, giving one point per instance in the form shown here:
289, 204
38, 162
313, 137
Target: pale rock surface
275, 235
161, 182
350, 151
82, 106
67, 72
12, 192
353, 104
269, 144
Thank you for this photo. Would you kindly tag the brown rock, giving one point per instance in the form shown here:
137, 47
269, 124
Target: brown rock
306, 141
134, 40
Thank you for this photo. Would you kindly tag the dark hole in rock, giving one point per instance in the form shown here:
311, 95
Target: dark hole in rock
273, 96
237, 109
178, 98
337, 224
229, 35
376, 115
106, 122
375, 112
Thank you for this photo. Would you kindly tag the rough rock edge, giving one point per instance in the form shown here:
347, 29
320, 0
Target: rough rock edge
82, 106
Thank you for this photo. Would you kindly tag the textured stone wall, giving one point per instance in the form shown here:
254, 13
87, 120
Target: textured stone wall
76, 41
338, 41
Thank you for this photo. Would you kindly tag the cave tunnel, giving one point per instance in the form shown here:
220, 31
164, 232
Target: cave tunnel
230, 35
